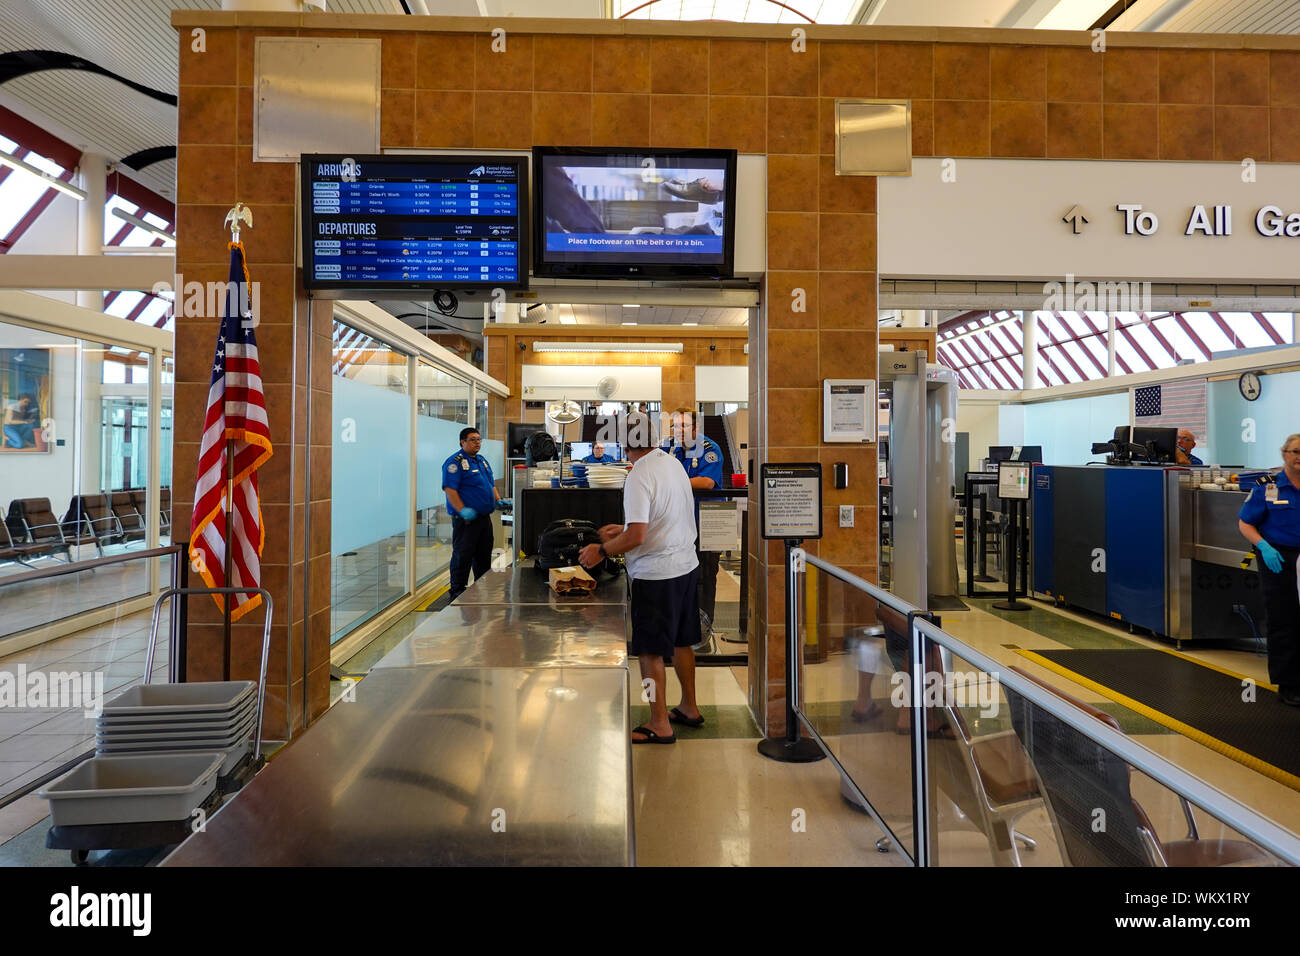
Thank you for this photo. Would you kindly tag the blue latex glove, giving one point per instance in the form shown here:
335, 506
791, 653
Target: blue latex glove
468, 514
504, 504
1272, 559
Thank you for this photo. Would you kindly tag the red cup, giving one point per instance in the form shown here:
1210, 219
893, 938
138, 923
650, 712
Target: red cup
738, 480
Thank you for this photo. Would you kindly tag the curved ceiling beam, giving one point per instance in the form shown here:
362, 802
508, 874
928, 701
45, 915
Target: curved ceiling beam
147, 157
23, 62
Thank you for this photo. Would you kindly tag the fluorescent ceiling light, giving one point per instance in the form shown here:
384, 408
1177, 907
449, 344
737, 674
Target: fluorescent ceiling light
607, 346
142, 224
631, 305
13, 162
690, 323
629, 323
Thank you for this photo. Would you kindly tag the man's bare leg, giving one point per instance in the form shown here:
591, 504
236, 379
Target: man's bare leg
652, 666
684, 665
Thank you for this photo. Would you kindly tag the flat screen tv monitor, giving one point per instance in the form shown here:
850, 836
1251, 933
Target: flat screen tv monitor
633, 214
579, 450
1163, 441
517, 436
1001, 452
412, 224
1031, 453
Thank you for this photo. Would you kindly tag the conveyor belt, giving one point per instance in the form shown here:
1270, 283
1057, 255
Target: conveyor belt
1196, 700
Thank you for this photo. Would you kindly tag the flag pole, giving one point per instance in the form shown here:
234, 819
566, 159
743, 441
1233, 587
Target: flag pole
229, 563
238, 213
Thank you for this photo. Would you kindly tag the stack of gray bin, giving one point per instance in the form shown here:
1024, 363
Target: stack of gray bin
211, 717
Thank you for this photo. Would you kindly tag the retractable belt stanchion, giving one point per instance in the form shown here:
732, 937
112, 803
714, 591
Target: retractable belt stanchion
1012, 561
791, 748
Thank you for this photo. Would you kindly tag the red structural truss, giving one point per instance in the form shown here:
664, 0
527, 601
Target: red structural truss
980, 347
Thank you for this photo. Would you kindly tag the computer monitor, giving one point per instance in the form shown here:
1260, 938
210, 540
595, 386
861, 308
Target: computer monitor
517, 436
1031, 453
1001, 452
579, 450
1161, 442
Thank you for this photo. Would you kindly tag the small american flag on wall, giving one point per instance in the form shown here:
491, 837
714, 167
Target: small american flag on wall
1173, 405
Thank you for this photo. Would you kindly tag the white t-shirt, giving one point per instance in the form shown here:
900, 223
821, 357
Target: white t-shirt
658, 494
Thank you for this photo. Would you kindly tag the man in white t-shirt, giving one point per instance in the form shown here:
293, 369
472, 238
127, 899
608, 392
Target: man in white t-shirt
658, 543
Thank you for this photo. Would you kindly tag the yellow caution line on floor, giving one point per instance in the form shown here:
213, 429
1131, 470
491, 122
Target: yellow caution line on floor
436, 594
1200, 736
1216, 667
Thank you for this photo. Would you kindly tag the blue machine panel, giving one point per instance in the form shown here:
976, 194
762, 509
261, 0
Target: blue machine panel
1043, 543
1135, 546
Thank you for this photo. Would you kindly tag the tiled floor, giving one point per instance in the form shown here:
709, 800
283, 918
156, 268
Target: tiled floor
37, 741
24, 606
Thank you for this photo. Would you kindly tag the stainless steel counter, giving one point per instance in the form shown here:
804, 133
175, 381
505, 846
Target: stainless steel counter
443, 766
516, 635
524, 584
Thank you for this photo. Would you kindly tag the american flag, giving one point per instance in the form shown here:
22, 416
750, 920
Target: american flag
236, 417
1173, 405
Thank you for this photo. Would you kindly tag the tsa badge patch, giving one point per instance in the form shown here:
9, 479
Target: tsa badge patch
451, 469
711, 457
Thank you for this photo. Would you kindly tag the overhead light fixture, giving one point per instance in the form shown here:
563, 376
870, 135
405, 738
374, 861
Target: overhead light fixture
631, 305
629, 323
690, 323
54, 182
142, 224
607, 346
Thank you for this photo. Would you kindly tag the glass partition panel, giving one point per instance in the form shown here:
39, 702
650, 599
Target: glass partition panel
370, 479
54, 720
442, 410
164, 504
852, 674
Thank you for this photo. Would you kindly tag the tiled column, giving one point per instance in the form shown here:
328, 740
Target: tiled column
215, 170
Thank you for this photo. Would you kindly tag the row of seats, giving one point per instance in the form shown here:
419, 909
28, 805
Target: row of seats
31, 530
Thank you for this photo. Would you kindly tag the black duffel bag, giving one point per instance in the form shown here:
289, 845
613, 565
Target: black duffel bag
561, 541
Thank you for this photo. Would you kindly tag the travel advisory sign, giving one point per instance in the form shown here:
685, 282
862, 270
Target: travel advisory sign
790, 500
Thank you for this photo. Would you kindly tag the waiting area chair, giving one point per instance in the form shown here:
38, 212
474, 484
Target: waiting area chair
1080, 777
91, 514
31, 521
15, 550
132, 522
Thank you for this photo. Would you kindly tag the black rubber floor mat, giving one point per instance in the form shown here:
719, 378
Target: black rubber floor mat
1210, 706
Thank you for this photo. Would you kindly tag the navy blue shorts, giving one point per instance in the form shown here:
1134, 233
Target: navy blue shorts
665, 615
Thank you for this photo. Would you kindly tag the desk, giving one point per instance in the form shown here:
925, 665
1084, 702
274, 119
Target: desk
416, 769
520, 635
524, 584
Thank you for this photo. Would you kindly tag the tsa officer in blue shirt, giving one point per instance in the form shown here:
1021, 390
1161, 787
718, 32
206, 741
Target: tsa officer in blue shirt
702, 459
598, 456
471, 499
1270, 520
1186, 442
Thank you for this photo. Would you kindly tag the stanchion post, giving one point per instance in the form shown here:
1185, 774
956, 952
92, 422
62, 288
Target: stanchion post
791, 748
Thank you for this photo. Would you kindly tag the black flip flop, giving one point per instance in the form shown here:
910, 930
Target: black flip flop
675, 716
651, 737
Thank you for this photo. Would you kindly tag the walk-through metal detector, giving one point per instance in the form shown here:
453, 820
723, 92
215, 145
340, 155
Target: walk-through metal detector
922, 471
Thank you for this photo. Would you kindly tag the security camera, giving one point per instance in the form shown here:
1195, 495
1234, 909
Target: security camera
712, 347
523, 346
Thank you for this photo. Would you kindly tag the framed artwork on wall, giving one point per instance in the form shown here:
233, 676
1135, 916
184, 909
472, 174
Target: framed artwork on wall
25, 396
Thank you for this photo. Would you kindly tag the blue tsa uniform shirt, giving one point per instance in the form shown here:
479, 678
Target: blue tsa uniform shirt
602, 460
703, 461
471, 476
1274, 510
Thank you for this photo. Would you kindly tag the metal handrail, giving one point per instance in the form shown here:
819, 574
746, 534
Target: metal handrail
1225, 808
1269, 835
76, 566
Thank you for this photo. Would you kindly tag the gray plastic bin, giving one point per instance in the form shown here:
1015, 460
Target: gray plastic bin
132, 789
167, 740
166, 726
211, 699
179, 719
